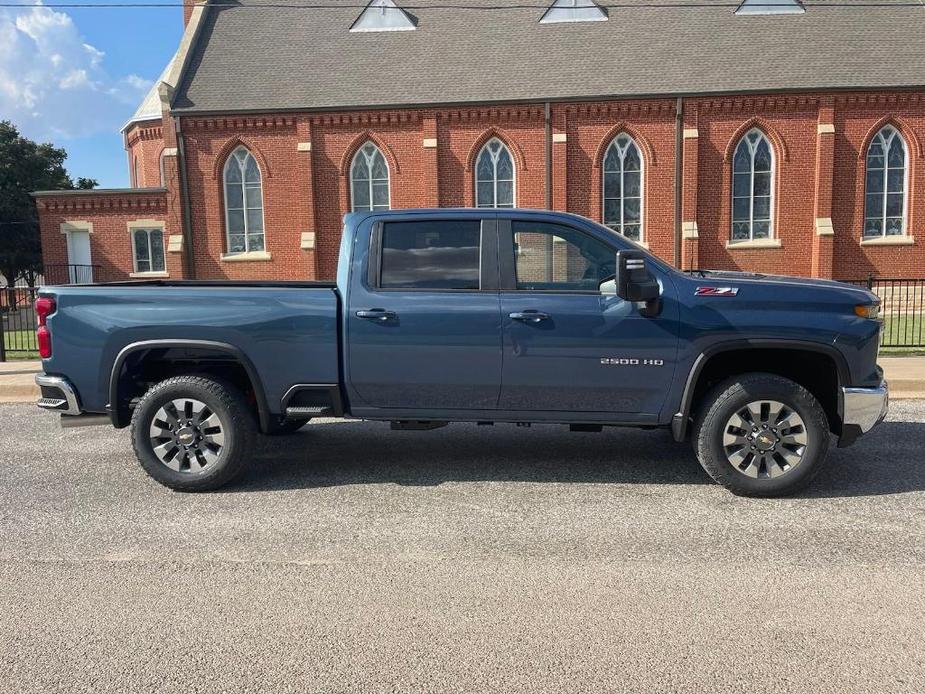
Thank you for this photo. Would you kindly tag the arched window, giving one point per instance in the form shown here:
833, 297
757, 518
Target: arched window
369, 179
494, 176
752, 188
886, 184
243, 203
623, 187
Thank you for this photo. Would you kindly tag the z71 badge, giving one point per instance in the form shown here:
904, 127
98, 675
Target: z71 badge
716, 291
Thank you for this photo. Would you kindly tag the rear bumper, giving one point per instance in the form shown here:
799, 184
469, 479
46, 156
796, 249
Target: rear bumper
57, 394
862, 410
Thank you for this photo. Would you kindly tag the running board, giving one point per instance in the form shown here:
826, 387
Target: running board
300, 412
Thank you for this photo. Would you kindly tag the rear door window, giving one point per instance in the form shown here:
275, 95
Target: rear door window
430, 255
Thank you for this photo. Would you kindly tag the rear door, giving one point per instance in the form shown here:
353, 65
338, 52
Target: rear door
568, 345
423, 323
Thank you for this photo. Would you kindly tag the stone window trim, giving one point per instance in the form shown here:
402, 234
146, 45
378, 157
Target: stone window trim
250, 256
751, 140
369, 160
886, 135
622, 150
148, 225
495, 153
253, 231
68, 226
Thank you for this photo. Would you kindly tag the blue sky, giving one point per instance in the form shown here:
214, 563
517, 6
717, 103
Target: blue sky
74, 76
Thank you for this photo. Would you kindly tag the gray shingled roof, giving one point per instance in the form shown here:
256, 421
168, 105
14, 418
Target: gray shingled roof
269, 58
150, 106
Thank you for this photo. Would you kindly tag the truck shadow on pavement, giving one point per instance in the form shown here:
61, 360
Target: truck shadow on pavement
332, 453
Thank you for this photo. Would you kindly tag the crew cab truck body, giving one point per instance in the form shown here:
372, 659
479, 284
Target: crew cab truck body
473, 316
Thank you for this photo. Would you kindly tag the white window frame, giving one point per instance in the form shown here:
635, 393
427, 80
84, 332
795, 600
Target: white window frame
772, 217
494, 179
367, 160
883, 216
232, 160
770, 7
642, 186
557, 12
147, 226
383, 7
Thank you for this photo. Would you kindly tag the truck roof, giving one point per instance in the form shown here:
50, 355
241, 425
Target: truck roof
353, 218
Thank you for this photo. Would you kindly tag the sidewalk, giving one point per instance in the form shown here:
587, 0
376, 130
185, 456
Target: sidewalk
905, 374
17, 381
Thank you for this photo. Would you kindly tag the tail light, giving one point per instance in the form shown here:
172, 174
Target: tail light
44, 307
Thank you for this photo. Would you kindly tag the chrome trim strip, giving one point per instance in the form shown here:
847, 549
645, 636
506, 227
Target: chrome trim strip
865, 407
67, 390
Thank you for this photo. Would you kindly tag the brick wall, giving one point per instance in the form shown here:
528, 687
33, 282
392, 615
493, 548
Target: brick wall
819, 143
145, 144
110, 240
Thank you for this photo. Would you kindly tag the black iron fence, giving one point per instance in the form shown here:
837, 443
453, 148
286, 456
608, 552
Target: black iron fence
71, 274
17, 323
902, 310
17, 308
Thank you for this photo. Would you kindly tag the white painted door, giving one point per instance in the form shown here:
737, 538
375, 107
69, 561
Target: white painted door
78, 257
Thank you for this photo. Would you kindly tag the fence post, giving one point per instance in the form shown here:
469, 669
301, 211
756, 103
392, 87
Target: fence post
870, 281
2, 336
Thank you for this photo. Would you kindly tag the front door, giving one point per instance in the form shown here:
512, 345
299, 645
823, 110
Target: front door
78, 257
424, 327
568, 346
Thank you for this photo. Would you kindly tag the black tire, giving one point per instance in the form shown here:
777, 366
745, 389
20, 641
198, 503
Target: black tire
729, 399
287, 426
237, 427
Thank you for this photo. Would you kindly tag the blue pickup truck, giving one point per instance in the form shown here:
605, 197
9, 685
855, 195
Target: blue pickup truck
475, 315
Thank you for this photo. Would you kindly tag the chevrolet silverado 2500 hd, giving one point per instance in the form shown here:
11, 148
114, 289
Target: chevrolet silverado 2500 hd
473, 316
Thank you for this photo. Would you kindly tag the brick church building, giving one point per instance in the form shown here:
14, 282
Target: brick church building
780, 137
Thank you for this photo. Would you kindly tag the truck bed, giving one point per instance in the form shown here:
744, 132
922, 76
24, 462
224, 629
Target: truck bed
288, 331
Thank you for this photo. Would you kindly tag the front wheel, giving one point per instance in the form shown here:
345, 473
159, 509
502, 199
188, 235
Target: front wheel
193, 433
761, 435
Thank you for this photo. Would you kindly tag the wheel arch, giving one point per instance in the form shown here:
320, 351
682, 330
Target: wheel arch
708, 363
136, 352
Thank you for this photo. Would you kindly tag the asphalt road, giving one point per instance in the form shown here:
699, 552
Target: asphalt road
355, 559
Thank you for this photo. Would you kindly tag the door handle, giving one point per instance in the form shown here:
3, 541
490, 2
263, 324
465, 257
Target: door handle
529, 316
377, 314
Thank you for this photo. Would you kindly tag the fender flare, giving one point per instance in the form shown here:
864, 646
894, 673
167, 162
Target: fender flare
115, 413
681, 419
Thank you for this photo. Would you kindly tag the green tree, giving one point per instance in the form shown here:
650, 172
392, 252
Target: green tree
26, 166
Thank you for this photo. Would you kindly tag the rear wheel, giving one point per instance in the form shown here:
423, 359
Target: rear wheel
193, 433
761, 435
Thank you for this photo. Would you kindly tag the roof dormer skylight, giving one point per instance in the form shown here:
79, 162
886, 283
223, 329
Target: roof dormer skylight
384, 15
574, 11
771, 7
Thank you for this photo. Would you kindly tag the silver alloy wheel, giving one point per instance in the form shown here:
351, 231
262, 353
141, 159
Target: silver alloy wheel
765, 439
187, 436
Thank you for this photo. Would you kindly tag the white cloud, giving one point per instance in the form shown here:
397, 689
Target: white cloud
54, 85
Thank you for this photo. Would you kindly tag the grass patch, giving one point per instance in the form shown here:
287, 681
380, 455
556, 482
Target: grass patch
23, 342
905, 329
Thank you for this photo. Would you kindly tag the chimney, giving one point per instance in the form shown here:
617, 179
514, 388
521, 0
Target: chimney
187, 11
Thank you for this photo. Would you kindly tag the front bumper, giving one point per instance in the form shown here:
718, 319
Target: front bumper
863, 409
